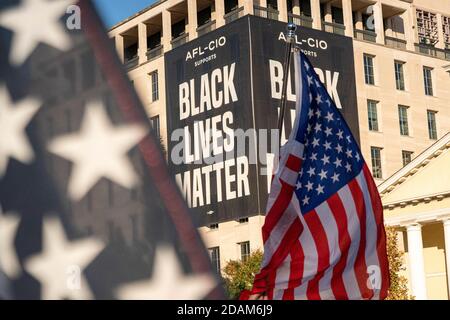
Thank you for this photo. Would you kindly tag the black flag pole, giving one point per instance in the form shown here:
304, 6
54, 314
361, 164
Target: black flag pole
290, 38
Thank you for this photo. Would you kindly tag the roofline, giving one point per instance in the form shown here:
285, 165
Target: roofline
422, 157
157, 3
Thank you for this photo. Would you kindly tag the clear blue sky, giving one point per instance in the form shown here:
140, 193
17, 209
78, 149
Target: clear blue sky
114, 11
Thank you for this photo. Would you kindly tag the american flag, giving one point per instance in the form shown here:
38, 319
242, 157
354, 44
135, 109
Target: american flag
87, 206
323, 235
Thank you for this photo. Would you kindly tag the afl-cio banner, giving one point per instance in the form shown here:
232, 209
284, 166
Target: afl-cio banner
222, 94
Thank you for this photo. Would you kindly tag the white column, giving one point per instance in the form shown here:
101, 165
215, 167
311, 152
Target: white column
348, 17
417, 270
315, 13
282, 8
328, 16
447, 250
192, 18
248, 6
220, 12
379, 25
296, 7
359, 21
409, 24
167, 30
142, 42
120, 47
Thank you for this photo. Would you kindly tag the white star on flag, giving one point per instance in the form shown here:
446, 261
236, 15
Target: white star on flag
98, 150
348, 166
305, 200
319, 189
8, 257
168, 281
14, 118
315, 142
323, 174
325, 159
59, 256
329, 116
30, 31
309, 186
335, 177
319, 99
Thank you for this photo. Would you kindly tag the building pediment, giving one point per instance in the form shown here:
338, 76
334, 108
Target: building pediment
426, 178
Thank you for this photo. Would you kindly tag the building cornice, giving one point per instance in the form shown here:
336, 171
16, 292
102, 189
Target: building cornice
415, 165
425, 217
417, 200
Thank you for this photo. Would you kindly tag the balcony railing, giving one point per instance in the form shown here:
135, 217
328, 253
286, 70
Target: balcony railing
176, 42
131, 62
365, 35
395, 43
268, 13
234, 15
300, 20
155, 52
432, 51
207, 27
332, 27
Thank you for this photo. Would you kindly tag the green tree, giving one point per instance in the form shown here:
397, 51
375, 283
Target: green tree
398, 289
239, 275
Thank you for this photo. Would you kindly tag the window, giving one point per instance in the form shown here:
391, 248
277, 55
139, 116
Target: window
154, 40
214, 226
154, 121
407, 157
204, 16
399, 76
178, 29
214, 254
427, 81
131, 52
403, 120
243, 220
372, 115
376, 162
305, 8
432, 132
368, 69
231, 5
245, 250
155, 88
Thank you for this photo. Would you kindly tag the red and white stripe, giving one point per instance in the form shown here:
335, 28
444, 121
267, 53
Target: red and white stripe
326, 253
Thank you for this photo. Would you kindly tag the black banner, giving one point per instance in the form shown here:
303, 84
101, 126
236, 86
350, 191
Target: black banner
332, 57
223, 90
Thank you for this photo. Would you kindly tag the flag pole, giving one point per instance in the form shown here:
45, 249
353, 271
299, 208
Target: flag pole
290, 38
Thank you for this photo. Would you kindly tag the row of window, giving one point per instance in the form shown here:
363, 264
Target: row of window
372, 114
214, 254
375, 153
399, 73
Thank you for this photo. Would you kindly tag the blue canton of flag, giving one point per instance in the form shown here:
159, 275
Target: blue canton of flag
331, 156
